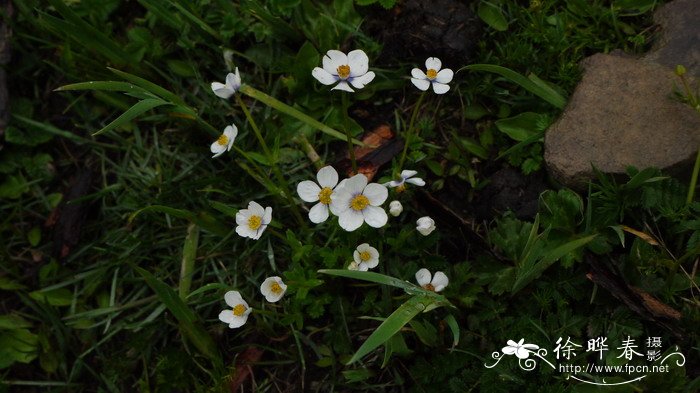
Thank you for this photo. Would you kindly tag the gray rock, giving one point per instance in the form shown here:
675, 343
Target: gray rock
623, 112
679, 42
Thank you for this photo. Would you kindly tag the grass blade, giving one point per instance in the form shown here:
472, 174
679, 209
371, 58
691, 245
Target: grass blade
151, 87
374, 277
189, 254
105, 86
132, 113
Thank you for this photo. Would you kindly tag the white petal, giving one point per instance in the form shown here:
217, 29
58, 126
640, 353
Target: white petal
231, 132
327, 177
433, 63
233, 81
343, 85
406, 173
245, 231
350, 220
509, 350
341, 184
394, 183
221, 90
266, 289
373, 261
416, 181
362, 267
258, 232
358, 62
233, 298
364, 247
522, 353
267, 217
238, 321
421, 84
356, 257
356, 184
217, 149
439, 281
423, 277
242, 217
332, 60
308, 191
340, 201
444, 76
318, 213
226, 316
417, 73
361, 81
375, 216
323, 76
376, 193
440, 88
255, 209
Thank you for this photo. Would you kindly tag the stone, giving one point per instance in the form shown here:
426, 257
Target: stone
679, 42
622, 113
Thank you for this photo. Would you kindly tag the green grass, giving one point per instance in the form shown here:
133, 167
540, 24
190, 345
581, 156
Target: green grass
134, 304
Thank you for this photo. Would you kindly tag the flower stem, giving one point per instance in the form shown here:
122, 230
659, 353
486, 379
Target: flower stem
288, 110
693, 180
273, 164
407, 137
348, 134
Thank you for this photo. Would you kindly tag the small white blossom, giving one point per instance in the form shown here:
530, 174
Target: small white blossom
356, 202
226, 90
351, 69
225, 141
353, 266
405, 177
322, 192
437, 284
519, 349
253, 220
395, 208
273, 288
433, 76
238, 315
366, 257
425, 225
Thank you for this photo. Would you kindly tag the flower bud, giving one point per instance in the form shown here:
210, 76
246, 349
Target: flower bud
425, 225
395, 208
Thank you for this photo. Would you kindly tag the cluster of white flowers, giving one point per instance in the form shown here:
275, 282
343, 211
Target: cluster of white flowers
273, 288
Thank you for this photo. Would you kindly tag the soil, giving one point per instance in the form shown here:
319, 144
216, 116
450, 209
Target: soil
417, 29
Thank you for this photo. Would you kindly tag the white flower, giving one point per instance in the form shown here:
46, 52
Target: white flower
322, 192
238, 315
356, 202
253, 220
425, 225
438, 78
406, 177
437, 284
522, 351
225, 141
273, 289
395, 208
351, 69
366, 257
233, 83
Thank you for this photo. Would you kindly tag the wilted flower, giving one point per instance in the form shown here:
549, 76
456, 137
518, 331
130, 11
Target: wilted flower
225, 141
233, 83
273, 288
437, 284
253, 220
406, 177
322, 192
356, 202
425, 225
239, 313
395, 208
351, 69
366, 257
433, 75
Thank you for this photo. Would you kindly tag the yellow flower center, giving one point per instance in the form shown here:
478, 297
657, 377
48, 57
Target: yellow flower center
343, 71
223, 140
401, 187
432, 74
254, 222
325, 195
365, 256
359, 202
275, 288
429, 287
239, 310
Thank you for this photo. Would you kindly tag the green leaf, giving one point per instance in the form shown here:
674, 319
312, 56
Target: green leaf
189, 323
520, 127
10, 285
546, 93
377, 278
491, 14
103, 86
132, 113
54, 297
151, 87
34, 236
12, 321
19, 345
13, 187
189, 254
391, 325
454, 328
